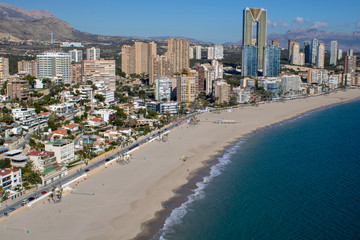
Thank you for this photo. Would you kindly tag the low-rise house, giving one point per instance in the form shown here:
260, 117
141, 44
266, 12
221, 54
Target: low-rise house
127, 131
60, 133
112, 134
95, 122
72, 127
10, 178
97, 147
63, 109
44, 115
17, 159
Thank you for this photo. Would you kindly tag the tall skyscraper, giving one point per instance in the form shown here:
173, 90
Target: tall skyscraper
198, 52
100, 71
128, 59
302, 59
257, 16
218, 52
340, 54
179, 48
295, 55
249, 61
27, 68
4, 67
138, 58
307, 51
350, 69
186, 88
333, 53
163, 88
350, 52
314, 49
76, 56
320, 60
210, 53
191, 53
93, 53
290, 48
54, 64
271, 61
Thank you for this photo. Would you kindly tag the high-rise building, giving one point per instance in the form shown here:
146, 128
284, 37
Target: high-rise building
100, 71
333, 53
137, 59
191, 53
350, 52
258, 16
93, 53
163, 88
179, 48
4, 67
54, 64
210, 53
249, 61
307, 51
18, 90
302, 59
271, 61
141, 58
27, 68
314, 49
76, 72
222, 92
128, 59
198, 52
161, 66
76, 55
186, 88
340, 54
295, 55
219, 52
350, 69
290, 48
320, 60
275, 43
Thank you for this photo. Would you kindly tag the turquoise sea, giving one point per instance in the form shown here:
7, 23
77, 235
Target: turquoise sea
298, 179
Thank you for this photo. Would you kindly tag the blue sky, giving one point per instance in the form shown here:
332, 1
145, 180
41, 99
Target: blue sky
208, 20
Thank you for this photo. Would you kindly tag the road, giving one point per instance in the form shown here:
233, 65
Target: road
17, 203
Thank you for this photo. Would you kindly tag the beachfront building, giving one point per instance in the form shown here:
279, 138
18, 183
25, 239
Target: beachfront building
249, 61
43, 160
63, 149
163, 107
317, 76
186, 88
222, 92
10, 178
290, 85
271, 61
243, 95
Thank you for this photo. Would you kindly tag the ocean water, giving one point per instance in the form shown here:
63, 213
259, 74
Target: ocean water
299, 179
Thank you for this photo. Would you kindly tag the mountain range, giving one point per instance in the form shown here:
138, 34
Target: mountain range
18, 24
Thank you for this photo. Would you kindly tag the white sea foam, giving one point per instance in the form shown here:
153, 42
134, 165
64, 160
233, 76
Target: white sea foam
177, 214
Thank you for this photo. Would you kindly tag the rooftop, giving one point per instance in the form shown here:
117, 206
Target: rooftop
71, 125
5, 172
96, 119
40, 153
13, 152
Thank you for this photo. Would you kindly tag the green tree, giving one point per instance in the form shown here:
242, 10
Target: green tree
100, 97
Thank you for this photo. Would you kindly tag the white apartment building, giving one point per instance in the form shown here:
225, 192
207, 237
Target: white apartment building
290, 84
210, 53
54, 64
108, 95
242, 94
106, 114
26, 117
333, 53
191, 53
218, 52
76, 55
10, 178
63, 108
198, 52
93, 53
163, 88
63, 149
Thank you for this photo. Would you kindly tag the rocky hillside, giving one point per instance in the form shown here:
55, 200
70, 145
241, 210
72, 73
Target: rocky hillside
12, 13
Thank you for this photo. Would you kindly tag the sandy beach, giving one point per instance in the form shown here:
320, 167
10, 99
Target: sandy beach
115, 202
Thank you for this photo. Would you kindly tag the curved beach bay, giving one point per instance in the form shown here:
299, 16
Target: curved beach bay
128, 195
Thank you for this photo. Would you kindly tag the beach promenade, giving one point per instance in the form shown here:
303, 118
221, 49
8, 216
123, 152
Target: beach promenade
113, 203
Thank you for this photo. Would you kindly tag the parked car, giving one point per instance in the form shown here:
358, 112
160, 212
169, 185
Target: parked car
43, 192
31, 198
25, 201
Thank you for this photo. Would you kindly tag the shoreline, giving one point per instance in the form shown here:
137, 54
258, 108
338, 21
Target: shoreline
152, 229
130, 200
